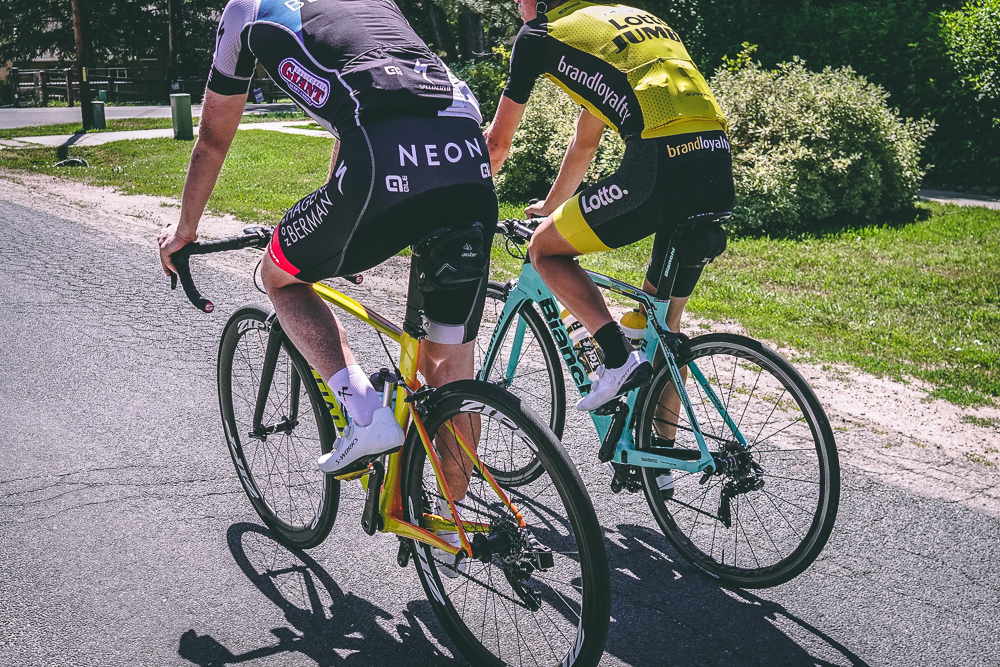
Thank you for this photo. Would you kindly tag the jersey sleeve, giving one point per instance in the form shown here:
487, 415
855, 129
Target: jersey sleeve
233, 63
526, 61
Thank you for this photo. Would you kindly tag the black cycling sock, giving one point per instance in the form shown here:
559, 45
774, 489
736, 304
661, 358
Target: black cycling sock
612, 341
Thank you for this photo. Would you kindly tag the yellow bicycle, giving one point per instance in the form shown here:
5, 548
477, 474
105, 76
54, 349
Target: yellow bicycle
528, 583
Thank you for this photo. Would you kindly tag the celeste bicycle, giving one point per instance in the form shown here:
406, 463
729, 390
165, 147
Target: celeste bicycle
528, 582
749, 450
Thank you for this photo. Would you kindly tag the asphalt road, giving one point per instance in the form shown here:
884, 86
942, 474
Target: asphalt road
125, 538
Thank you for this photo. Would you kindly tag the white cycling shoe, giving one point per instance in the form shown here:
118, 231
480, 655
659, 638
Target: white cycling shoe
445, 561
361, 444
613, 382
665, 482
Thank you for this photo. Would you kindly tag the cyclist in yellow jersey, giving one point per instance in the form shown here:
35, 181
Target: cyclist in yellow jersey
630, 71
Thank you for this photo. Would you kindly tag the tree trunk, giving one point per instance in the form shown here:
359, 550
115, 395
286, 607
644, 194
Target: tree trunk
441, 37
172, 72
471, 38
82, 62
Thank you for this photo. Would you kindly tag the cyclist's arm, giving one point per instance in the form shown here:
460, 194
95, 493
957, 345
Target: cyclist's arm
501, 131
579, 154
220, 118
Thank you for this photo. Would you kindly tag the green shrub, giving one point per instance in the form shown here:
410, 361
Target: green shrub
812, 150
540, 143
6, 92
486, 78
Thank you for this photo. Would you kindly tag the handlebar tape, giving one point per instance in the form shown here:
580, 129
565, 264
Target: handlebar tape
180, 260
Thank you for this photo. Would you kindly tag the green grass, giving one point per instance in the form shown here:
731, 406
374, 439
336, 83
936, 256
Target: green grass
114, 125
264, 174
126, 124
915, 301
905, 301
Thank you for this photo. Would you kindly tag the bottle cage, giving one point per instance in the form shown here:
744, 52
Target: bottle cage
449, 258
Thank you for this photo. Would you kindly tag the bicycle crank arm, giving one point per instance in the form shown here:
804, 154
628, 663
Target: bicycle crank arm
371, 520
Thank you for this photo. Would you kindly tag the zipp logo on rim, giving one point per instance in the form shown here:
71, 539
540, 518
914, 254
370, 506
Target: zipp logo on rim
313, 89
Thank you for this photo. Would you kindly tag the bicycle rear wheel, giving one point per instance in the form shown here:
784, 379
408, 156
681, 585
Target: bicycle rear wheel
521, 357
277, 463
516, 607
767, 517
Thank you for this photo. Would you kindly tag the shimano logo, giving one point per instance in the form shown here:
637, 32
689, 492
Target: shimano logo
312, 89
602, 197
397, 183
595, 82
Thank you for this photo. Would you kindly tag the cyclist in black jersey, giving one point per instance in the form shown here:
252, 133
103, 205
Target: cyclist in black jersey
409, 149
628, 70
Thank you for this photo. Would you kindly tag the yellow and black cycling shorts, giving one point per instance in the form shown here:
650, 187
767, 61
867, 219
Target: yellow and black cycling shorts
660, 183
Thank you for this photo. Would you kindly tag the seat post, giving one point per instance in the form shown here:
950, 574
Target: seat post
413, 322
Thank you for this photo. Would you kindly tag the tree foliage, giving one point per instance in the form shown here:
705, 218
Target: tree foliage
973, 36
120, 32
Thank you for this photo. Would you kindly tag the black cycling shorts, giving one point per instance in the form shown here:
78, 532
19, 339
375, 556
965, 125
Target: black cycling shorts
660, 184
395, 181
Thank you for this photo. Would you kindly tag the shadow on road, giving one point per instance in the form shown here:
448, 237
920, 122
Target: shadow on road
324, 624
667, 612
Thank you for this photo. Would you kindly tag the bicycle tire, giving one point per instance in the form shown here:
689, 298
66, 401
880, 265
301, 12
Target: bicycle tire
787, 521
278, 472
538, 355
570, 625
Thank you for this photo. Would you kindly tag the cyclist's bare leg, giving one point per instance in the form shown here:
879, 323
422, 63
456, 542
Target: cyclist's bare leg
308, 321
670, 402
441, 364
553, 258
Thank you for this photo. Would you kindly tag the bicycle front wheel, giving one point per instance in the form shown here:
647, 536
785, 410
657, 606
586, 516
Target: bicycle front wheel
519, 355
540, 595
765, 518
276, 461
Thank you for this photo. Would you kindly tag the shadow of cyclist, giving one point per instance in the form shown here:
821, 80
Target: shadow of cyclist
665, 611
325, 624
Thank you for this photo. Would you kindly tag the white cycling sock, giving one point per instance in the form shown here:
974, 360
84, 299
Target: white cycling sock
356, 393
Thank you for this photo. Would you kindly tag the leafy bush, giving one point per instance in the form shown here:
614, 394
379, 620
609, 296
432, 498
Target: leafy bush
486, 78
540, 143
812, 149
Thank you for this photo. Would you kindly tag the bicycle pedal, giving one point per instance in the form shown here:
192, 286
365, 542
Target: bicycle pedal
371, 520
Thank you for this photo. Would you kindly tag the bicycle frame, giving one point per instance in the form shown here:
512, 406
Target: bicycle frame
529, 288
390, 498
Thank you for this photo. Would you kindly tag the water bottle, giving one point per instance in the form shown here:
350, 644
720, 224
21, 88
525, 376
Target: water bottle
584, 345
633, 325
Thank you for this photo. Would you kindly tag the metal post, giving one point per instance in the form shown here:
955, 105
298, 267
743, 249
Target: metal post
39, 93
180, 111
15, 84
69, 87
45, 90
98, 114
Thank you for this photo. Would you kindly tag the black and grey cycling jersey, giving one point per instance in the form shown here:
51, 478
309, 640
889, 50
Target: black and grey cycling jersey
345, 62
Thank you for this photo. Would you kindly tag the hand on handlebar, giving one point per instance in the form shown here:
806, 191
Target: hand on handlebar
536, 209
170, 242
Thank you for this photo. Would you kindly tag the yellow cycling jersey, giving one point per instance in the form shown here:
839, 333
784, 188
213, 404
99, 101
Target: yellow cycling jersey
622, 64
